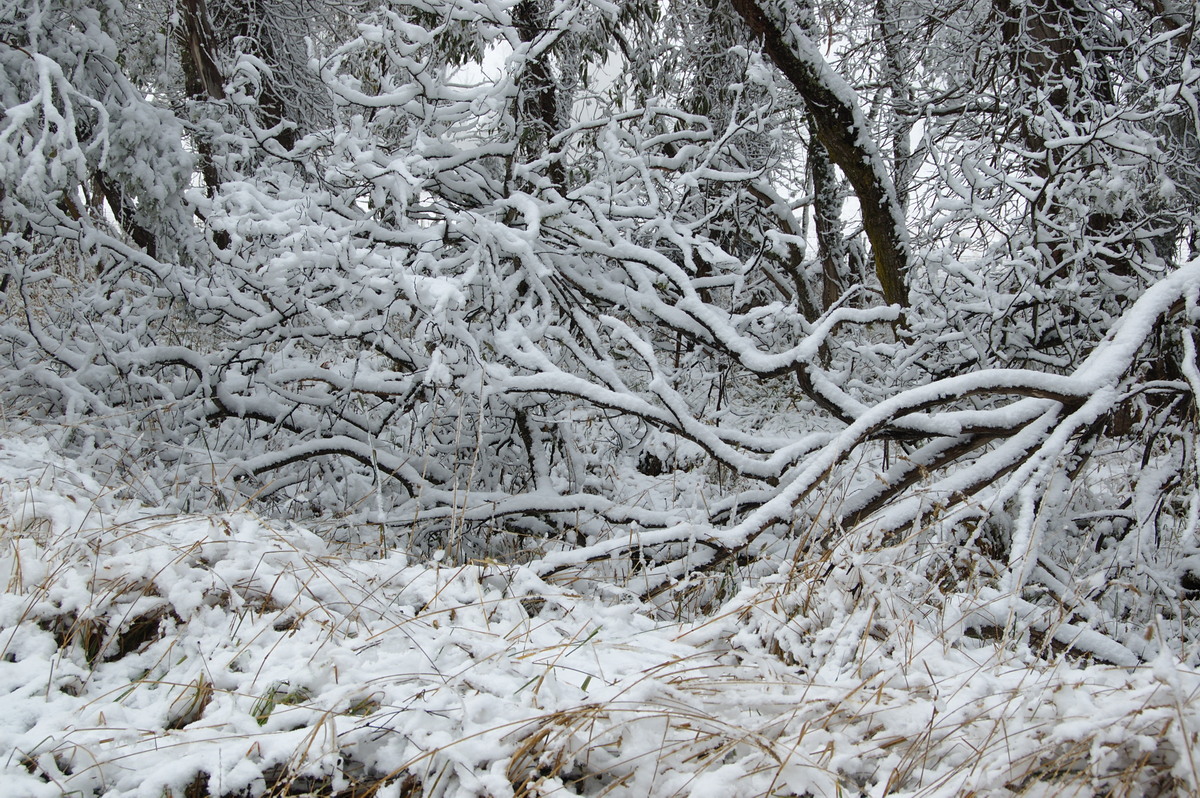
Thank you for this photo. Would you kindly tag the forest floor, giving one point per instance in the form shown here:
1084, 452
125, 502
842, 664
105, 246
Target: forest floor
147, 653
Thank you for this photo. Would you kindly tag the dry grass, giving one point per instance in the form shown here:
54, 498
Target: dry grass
220, 655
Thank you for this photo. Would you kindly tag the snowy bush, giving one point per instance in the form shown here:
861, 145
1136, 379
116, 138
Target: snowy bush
150, 653
608, 315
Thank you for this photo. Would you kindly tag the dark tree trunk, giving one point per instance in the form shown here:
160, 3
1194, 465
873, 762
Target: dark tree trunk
842, 130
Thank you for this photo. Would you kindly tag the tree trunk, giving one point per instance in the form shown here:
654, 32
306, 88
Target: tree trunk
842, 129
538, 102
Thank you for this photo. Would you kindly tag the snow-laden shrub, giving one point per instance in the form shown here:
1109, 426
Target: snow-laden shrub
148, 653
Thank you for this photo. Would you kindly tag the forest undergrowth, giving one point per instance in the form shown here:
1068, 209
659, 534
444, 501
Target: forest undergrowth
152, 652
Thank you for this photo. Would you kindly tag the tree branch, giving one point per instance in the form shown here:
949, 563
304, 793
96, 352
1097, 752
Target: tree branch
842, 130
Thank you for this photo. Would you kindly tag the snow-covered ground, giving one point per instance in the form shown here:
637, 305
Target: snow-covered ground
150, 654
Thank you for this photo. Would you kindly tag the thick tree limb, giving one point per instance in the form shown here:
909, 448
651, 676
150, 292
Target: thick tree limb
201, 72
842, 130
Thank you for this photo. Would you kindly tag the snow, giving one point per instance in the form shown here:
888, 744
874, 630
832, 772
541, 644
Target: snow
142, 652
600, 499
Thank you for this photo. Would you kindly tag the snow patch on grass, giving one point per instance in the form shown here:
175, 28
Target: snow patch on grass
151, 654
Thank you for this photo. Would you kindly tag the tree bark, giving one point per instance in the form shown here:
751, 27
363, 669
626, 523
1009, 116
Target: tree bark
201, 74
539, 100
202, 79
827, 216
842, 129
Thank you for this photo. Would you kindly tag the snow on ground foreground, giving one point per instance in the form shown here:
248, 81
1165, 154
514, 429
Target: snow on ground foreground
146, 654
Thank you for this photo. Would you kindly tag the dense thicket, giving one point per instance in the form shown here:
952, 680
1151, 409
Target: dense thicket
666, 294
